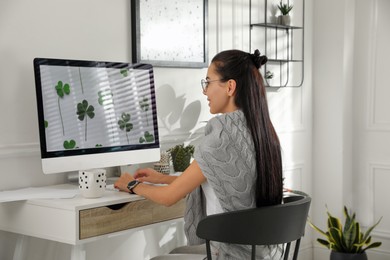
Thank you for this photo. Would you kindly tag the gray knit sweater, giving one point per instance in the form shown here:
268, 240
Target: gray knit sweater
226, 157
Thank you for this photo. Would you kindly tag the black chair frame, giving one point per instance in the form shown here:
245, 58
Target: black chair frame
271, 225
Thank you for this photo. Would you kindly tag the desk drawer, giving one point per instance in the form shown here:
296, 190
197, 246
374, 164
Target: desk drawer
109, 219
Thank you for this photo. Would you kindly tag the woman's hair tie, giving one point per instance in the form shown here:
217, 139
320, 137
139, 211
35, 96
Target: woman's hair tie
258, 59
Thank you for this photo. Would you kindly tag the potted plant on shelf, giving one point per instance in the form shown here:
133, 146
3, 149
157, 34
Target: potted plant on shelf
348, 242
285, 9
181, 156
269, 75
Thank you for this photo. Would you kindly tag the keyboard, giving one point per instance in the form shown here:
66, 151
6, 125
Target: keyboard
111, 187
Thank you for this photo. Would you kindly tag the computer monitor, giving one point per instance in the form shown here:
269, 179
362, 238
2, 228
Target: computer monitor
95, 114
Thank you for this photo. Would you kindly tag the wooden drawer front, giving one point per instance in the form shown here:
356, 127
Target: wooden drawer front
105, 220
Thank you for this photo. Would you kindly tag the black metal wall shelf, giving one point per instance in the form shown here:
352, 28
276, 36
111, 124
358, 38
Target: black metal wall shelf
282, 58
278, 26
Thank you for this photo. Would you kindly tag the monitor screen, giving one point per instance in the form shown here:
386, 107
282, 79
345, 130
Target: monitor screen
95, 114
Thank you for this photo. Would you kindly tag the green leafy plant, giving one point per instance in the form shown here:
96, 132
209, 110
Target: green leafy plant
145, 107
148, 138
125, 125
269, 74
285, 8
84, 111
347, 239
62, 90
105, 98
71, 144
124, 72
181, 156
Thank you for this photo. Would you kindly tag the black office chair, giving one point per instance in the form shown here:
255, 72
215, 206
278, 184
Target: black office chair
271, 225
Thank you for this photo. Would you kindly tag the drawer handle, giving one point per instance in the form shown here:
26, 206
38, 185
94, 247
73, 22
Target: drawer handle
117, 206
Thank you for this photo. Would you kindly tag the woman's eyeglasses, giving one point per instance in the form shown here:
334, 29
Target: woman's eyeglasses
205, 83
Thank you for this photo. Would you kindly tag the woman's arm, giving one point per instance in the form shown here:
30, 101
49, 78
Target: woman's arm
152, 176
168, 195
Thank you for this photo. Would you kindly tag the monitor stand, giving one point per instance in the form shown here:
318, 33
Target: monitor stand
73, 177
129, 168
111, 173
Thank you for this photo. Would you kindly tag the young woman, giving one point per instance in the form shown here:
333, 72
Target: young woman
238, 163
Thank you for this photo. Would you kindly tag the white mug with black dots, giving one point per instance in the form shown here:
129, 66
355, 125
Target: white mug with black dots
92, 183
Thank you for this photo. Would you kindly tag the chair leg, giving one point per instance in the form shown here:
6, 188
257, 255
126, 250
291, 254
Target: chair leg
208, 249
253, 252
296, 250
286, 251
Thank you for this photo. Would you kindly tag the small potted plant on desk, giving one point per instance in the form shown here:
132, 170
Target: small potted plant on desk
181, 156
347, 243
285, 9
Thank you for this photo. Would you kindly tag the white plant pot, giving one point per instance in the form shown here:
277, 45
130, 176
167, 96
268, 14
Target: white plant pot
284, 19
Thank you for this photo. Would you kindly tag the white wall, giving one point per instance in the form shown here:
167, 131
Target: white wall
351, 120
100, 30
372, 121
331, 118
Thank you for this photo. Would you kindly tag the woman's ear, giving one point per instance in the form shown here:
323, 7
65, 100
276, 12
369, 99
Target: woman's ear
231, 88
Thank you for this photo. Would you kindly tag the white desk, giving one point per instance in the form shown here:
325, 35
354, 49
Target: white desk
78, 220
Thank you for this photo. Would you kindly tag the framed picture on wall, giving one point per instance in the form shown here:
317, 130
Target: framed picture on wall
169, 33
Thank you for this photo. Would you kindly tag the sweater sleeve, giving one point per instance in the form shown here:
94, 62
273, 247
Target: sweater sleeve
195, 211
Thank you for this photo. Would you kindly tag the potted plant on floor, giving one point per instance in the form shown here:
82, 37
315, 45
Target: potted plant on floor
348, 242
181, 156
285, 9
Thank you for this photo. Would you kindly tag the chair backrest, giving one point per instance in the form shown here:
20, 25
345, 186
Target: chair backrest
271, 225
